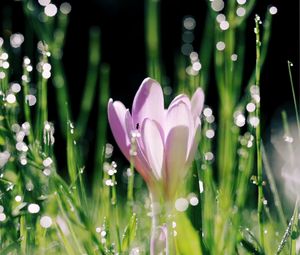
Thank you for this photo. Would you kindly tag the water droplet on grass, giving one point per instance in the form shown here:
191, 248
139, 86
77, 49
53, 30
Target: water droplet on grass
273, 10
224, 25
44, 2
2, 217
46, 222
220, 17
220, 46
65, 8
18, 198
181, 204
189, 23
234, 57
194, 200
210, 133
15, 87
50, 10
33, 208
217, 5
11, 98
251, 107
241, 11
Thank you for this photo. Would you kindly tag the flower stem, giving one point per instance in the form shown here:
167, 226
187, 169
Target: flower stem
162, 237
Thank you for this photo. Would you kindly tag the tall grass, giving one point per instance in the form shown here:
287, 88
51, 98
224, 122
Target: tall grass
46, 211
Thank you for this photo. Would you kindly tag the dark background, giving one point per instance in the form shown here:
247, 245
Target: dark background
123, 46
123, 43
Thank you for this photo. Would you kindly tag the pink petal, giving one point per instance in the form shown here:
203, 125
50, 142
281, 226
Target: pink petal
116, 118
176, 151
148, 102
197, 103
154, 146
195, 142
180, 115
140, 162
182, 97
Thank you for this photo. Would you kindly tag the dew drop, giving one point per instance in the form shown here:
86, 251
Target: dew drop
18, 198
15, 87
65, 8
31, 100
250, 107
181, 204
217, 5
47, 162
47, 171
11, 98
220, 17
16, 40
207, 112
194, 200
209, 156
234, 57
241, 11
197, 66
273, 10
254, 121
5, 65
44, 2
2, 217
33, 208
240, 120
50, 10
220, 46
189, 23
241, 2
224, 25
210, 133
46, 222
2, 75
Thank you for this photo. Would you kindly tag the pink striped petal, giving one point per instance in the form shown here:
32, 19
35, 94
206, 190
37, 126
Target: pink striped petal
148, 102
154, 146
116, 119
197, 103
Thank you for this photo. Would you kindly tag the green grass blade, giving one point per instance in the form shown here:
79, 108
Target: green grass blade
273, 187
288, 231
294, 96
91, 81
129, 233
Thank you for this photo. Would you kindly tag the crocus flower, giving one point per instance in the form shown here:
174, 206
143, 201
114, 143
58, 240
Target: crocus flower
167, 138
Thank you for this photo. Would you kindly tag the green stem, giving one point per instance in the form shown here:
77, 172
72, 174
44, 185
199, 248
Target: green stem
27, 113
162, 237
131, 176
258, 139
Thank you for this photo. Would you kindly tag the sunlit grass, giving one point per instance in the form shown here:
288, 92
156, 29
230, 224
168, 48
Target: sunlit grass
224, 207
